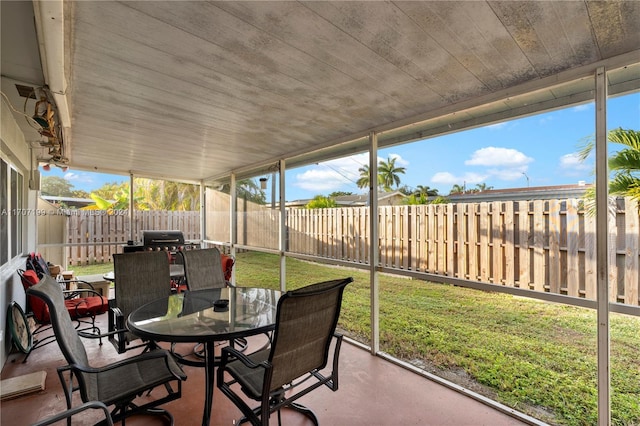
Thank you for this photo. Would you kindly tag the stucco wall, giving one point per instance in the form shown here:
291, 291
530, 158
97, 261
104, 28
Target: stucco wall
15, 151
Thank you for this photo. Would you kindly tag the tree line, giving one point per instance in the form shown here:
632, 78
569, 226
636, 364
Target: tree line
150, 194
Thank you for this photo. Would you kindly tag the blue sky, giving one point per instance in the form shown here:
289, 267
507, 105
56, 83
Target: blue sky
538, 151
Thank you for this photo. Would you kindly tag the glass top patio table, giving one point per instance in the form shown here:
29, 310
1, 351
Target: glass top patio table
192, 317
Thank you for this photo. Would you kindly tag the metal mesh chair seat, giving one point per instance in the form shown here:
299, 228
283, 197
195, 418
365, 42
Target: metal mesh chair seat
150, 369
252, 379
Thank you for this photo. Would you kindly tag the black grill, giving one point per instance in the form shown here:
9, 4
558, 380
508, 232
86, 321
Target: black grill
163, 240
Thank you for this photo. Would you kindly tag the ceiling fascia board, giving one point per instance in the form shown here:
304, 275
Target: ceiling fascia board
564, 77
458, 123
163, 177
624, 88
135, 174
49, 16
624, 80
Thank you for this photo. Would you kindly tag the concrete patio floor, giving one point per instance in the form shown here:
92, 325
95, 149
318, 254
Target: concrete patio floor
372, 391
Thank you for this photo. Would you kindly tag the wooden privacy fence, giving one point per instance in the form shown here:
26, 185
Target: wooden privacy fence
97, 235
541, 245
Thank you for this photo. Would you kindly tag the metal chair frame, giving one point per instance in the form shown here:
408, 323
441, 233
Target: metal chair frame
296, 355
118, 384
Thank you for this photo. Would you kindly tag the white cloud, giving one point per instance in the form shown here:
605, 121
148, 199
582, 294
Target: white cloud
320, 181
504, 164
337, 174
82, 179
446, 178
400, 162
573, 161
331, 175
572, 165
507, 174
495, 156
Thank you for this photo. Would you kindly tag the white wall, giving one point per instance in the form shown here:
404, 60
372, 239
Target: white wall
15, 151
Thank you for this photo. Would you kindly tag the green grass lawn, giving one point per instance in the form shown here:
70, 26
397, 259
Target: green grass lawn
537, 357
93, 269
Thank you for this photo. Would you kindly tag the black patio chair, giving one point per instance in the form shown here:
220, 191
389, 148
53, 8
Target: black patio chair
140, 278
204, 269
305, 328
118, 384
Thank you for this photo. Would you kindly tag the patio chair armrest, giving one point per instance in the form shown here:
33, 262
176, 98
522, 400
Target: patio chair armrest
146, 356
67, 414
229, 352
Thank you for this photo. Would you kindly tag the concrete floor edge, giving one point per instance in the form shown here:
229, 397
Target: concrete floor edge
453, 386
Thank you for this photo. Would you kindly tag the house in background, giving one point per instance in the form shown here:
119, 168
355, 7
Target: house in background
394, 198
529, 193
68, 202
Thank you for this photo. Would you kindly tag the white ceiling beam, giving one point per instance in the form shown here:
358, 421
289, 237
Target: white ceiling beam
50, 32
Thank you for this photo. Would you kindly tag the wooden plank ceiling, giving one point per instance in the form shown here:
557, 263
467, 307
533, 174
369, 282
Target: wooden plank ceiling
195, 90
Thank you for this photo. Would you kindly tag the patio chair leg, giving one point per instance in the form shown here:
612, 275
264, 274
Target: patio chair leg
304, 410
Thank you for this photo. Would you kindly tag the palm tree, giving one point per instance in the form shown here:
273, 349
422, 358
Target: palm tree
167, 195
423, 190
363, 180
247, 189
415, 199
457, 189
481, 187
624, 164
150, 194
389, 173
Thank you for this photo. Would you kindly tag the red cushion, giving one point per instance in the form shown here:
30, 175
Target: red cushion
30, 278
85, 306
227, 265
40, 309
78, 307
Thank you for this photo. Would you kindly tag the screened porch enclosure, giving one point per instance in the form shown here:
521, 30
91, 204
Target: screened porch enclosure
215, 93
